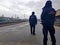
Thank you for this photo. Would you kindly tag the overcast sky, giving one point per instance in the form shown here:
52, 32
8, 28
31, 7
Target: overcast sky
23, 8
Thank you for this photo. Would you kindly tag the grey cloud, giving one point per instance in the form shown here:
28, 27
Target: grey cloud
56, 4
35, 6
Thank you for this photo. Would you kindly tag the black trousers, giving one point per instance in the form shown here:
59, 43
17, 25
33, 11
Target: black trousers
51, 30
32, 29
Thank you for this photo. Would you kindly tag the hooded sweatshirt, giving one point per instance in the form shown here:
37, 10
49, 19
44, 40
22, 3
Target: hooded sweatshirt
48, 14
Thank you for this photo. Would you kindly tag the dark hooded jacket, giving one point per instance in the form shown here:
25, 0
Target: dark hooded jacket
48, 14
33, 20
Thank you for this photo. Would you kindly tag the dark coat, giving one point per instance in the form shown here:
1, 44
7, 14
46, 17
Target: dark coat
48, 16
33, 20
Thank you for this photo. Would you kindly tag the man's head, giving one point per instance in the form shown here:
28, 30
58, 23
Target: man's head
33, 13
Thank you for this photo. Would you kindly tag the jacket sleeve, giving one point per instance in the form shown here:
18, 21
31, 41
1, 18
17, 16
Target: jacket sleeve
52, 12
43, 15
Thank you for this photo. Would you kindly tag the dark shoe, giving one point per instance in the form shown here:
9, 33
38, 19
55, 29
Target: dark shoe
31, 33
34, 34
53, 43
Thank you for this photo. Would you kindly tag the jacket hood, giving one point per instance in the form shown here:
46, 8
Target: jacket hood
48, 4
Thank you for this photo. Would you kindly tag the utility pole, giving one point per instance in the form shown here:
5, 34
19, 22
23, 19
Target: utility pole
24, 16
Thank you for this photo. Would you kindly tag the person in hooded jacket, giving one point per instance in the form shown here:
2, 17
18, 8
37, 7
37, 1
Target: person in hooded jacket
33, 22
48, 19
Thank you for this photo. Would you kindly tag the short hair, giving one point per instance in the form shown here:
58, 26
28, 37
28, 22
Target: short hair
33, 12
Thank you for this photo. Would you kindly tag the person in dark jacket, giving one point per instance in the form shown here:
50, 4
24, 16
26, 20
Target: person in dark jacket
48, 18
33, 22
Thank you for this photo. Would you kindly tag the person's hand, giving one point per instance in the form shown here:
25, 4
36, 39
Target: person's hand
52, 12
40, 22
36, 23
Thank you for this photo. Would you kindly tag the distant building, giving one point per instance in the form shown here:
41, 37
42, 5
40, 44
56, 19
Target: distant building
57, 18
7, 19
58, 12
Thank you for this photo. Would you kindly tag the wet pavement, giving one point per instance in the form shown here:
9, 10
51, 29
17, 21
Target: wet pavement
19, 34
